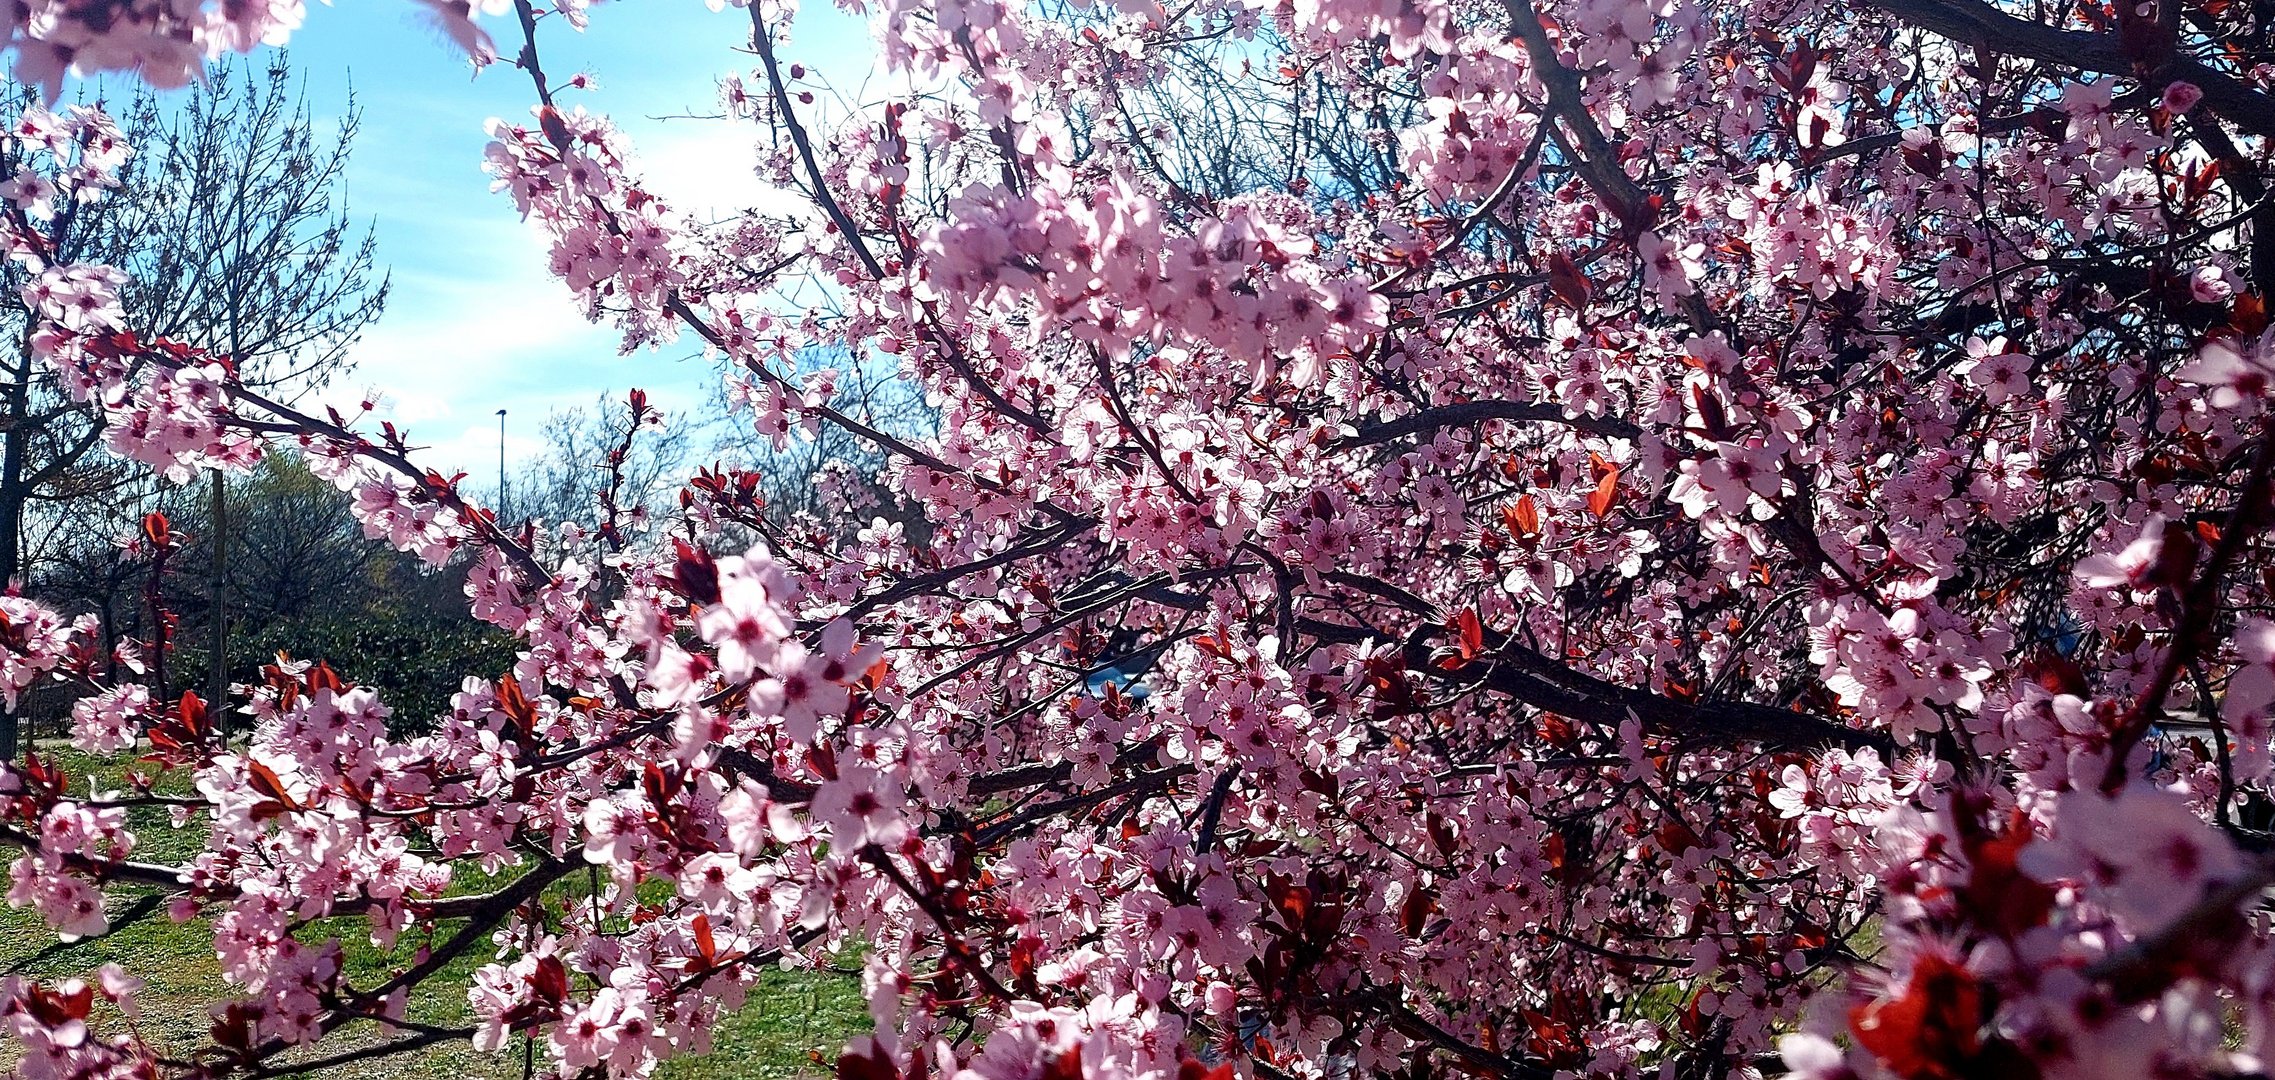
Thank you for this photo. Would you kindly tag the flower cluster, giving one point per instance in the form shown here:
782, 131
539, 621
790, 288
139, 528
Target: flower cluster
1563, 537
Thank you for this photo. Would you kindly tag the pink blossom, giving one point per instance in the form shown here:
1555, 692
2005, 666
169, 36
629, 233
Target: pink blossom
747, 623
2144, 847
2235, 372
861, 807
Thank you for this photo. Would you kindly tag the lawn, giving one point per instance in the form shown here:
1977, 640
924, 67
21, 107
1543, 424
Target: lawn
792, 1017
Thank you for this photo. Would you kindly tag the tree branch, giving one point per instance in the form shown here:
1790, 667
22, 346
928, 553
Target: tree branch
1969, 22
1473, 412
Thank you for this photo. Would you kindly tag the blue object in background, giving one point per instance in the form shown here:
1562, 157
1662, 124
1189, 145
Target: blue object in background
1098, 681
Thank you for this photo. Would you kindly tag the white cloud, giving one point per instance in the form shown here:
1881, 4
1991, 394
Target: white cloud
476, 321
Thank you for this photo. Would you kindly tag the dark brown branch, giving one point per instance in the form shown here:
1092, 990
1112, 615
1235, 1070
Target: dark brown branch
1038, 775
1594, 156
481, 919
2199, 606
763, 44
1545, 684
2203, 937
1142, 783
1536, 680
960, 953
1969, 22
921, 583
1474, 412
1991, 125
1419, 1028
743, 762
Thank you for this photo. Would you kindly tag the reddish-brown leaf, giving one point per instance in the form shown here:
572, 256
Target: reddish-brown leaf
871, 1064
1932, 1029
1522, 518
1567, 282
551, 980
1607, 491
266, 781
516, 706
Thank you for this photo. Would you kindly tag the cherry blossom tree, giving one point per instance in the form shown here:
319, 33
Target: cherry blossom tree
1689, 538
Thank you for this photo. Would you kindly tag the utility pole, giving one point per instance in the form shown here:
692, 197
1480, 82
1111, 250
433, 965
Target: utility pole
501, 468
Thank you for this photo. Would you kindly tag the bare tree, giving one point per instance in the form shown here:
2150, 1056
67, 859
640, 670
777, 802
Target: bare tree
826, 471
237, 236
599, 457
235, 230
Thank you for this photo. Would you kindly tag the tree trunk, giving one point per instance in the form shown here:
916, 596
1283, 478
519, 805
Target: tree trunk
219, 688
15, 446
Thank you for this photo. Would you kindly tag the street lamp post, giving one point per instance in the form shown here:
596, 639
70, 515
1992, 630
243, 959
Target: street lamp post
501, 466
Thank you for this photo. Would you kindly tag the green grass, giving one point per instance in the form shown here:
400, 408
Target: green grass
791, 1016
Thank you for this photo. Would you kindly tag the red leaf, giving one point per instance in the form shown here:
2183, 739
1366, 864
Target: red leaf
1523, 519
1607, 490
2175, 564
1066, 1066
550, 980
54, 1007
192, 713
266, 781
1414, 912
556, 131
322, 677
1441, 833
1803, 61
2249, 316
1711, 415
233, 1028
2144, 40
1932, 1030
661, 786
872, 1064
2000, 895
1567, 282
516, 706
696, 574
705, 945
1022, 958
1677, 837
2056, 673
1472, 632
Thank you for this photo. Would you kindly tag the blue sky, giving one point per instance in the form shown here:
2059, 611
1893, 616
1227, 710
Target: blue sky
476, 323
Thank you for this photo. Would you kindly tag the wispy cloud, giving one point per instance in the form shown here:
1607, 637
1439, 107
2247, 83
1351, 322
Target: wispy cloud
476, 322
